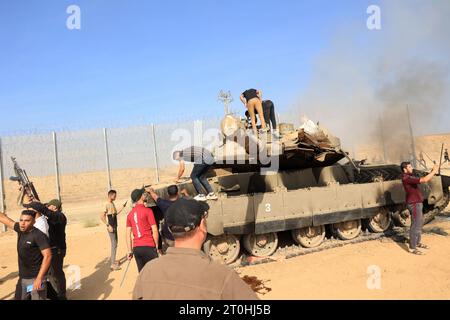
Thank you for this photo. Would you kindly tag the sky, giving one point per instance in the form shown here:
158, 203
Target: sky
139, 62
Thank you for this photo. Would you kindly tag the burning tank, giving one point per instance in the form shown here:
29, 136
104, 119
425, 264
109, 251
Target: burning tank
307, 193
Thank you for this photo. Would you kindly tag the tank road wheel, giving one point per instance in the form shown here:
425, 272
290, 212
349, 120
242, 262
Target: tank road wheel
402, 218
261, 245
224, 248
348, 230
309, 237
380, 222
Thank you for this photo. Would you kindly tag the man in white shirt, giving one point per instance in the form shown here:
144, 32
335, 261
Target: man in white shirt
41, 223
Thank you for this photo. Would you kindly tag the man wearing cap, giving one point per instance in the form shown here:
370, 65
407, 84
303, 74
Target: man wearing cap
142, 225
163, 205
57, 221
186, 272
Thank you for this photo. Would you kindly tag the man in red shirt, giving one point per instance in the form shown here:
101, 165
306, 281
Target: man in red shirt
414, 202
142, 225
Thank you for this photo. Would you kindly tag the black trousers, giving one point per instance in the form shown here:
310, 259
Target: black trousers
144, 255
269, 114
56, 274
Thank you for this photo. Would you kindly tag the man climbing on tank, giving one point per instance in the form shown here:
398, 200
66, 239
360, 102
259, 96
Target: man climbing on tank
202, 159
252, 100
414, 202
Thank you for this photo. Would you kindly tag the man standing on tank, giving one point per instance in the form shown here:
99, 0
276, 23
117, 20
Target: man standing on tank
414, 202
251, 99
203, 159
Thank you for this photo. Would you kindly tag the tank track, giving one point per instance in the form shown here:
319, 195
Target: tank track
287, 251
396, 234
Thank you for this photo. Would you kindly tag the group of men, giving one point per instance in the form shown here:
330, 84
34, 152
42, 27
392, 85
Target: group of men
41, 248
179, 269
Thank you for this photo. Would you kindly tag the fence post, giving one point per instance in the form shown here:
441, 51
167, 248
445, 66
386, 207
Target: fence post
2, 193
155, 153
55, 151
108, 169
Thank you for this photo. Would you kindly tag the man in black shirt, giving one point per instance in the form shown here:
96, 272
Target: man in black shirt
57, 222
35, 256
202, 159
163, 205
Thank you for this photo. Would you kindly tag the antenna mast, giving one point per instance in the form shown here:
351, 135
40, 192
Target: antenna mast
226, 99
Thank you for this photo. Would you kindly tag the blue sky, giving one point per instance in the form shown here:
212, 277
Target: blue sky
137, 62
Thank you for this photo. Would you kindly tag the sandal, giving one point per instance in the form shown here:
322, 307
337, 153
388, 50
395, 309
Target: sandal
418, 252
115, 268
423, 246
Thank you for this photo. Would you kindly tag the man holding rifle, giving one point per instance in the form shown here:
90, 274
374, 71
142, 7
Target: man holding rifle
35, 256
414, 202
57, 232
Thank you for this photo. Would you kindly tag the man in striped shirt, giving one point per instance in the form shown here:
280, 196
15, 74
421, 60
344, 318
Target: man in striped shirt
202, 159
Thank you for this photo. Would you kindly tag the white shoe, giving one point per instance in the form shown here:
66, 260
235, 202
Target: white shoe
211, 196
200, 197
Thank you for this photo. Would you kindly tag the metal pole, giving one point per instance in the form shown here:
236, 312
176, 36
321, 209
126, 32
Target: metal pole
382, 140
413, 146
440, 160
2, 193
55, 150
108, 169
155, 153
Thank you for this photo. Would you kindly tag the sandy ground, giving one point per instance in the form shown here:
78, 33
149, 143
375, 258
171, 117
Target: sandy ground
339, 273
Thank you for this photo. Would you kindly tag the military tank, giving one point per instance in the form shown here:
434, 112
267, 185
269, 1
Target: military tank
309, 195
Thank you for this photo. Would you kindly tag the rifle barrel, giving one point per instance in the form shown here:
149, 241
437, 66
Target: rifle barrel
440, 159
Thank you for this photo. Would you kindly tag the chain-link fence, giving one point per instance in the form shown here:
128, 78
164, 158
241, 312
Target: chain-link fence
77, 166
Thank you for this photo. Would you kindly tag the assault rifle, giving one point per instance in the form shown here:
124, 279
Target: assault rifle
26, 186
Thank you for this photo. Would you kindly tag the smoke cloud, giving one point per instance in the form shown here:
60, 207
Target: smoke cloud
363, 82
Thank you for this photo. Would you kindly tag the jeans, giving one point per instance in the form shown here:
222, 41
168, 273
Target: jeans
22, 294
269, 114
113, 237
198, 176
415, 232
144, 255
56, 274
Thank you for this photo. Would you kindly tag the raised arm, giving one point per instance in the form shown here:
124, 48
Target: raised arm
123, 207
152, 194
57, 216
429, 176
6, 221
259, 94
